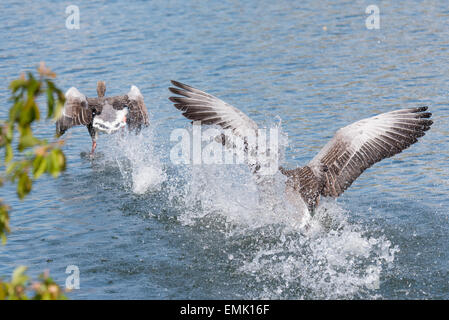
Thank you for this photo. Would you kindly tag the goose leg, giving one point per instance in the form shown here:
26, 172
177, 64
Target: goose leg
93, 135
94, 145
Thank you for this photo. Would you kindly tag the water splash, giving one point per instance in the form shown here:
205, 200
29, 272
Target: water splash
285, 252
137, 160
332, 259
275, 248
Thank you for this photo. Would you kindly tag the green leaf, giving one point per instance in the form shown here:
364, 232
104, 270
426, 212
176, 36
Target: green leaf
24, 111
29, 113
16, 84
10, 132
33, 87
59, 108
9, 153
16, 110
55, 163
4, 222
39, 166
50, 102
19, 278
24, 185
11, 167
27, 140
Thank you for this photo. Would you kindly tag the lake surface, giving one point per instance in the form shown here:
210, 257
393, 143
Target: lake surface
138, 226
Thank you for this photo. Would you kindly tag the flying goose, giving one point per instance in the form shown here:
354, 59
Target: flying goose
104, 114
351, 151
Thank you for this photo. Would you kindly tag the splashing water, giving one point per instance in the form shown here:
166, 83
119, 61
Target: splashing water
333, 261
286, 252
139, 164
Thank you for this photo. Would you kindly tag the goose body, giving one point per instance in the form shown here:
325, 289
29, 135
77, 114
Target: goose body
351, 151
102, 114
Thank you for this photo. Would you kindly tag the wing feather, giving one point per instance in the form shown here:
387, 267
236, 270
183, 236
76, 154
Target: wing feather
197, 105
358, 146
138, 113
76, 111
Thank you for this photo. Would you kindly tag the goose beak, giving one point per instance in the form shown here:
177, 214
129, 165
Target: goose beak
124, 119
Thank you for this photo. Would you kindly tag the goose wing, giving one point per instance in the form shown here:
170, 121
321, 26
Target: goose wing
76, 111
138, 113
197, 105
358, 146
355, 148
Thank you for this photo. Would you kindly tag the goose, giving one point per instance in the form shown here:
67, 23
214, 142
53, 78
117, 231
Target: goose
351, 151
102, 114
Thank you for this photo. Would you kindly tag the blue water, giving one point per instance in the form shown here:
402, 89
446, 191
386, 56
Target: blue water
138, 226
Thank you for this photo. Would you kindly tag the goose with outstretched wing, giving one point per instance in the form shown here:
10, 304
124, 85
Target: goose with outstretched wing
102, 114
351, 151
